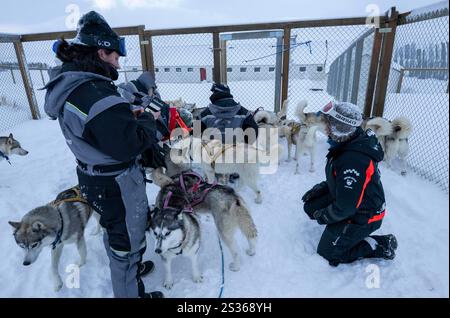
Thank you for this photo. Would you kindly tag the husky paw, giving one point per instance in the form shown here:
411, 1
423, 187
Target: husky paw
250, 252
234, 267
258, 200
168, 284
403, 173
198, 279
57, 285
312, 170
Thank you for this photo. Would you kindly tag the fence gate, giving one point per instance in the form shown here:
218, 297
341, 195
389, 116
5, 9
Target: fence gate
251, 65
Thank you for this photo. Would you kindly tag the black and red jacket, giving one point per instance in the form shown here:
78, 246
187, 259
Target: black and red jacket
354, 180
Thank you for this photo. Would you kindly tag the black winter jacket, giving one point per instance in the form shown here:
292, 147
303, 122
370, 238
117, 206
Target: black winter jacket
354, 180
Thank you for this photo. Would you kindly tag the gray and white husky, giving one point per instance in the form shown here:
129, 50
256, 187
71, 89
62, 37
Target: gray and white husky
10, 146
226, 206
55, 224
176, 233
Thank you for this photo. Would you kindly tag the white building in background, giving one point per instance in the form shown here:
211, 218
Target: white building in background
248, 60
242, 72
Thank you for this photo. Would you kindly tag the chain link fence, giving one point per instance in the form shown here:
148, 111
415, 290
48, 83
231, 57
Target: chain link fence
14, 108
251, 71
184, 67
335, 65
418, 89
326, 61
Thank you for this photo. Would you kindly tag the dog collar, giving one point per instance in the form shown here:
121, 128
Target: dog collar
3, 155
59, 234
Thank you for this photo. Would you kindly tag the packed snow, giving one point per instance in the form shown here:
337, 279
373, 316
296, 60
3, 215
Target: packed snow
286, 263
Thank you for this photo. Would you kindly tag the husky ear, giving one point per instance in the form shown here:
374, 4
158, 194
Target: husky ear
15, 225
37, 226
10, 139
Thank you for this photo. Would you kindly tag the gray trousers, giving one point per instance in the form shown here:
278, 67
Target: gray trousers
122, 204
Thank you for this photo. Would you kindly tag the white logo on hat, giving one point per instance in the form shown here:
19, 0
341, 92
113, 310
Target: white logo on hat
103, 43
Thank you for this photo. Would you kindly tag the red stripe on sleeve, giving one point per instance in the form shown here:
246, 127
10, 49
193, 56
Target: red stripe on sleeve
369, 173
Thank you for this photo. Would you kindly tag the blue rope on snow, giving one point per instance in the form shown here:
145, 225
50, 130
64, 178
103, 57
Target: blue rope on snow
222, 285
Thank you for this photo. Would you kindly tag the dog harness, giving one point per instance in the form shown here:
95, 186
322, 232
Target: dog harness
198, 191
77, 198
3, 155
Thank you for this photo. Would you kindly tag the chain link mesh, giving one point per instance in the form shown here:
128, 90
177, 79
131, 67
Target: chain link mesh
329, 63
325, 63
418, 90
184, 67
251, 72
14, 107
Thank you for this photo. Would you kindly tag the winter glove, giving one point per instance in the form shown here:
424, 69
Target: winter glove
318, 216
316, 204
318, 190
153, 157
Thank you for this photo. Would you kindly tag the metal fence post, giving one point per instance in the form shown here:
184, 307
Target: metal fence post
357, 71
376, 48
385, 64
348, 61
216, 56
25, 72
286, 58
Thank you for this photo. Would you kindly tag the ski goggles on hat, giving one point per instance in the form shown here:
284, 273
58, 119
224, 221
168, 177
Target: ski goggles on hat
330, 110
115, 44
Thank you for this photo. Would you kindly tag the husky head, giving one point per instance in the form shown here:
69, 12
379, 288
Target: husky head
11, 146
32, 234
168, 229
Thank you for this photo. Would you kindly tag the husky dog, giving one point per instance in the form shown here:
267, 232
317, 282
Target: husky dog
310, 119
180, 103
176, 232
396, 144
10, 146
265, 118
58, 223
226, 206
393, 137
216, 156
380, 126
304, 138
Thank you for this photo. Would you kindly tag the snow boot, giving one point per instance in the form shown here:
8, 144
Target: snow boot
386, 246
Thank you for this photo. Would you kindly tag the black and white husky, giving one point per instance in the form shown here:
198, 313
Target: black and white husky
176, 229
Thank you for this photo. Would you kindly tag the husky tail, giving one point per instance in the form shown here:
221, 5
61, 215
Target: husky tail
244, 219
300, 110
283, 111
402, 127
380, 126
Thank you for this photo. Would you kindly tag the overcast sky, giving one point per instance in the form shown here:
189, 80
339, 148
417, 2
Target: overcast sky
31, 16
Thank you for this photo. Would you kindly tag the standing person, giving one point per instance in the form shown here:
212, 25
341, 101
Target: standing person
224, 112
107, 138
351, 201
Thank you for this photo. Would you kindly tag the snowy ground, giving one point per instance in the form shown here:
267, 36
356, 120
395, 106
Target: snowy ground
285, 264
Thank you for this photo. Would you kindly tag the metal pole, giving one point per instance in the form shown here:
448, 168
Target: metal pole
385, 64
286, 65
376, 48
357, 71
216, 56
278, 62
